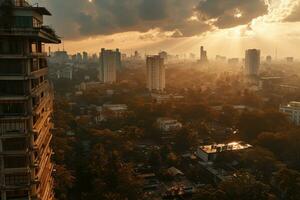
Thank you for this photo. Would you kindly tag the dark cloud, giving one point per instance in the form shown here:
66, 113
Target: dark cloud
225, 13
79, 18
295, 15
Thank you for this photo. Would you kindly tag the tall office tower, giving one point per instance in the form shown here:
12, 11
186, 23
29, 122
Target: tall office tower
252, 62
26, 101
155, 73
110, 62
203, 55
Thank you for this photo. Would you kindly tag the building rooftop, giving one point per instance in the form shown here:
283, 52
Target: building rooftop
294, 104
232, 146
115, 107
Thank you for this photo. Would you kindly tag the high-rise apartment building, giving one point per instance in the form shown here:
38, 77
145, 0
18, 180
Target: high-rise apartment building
110, 62
26, 101
155, 73
252, 62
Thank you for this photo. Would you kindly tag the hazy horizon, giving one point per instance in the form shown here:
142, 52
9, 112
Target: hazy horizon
224, 29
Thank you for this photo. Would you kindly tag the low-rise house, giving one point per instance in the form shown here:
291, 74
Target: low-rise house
168, 124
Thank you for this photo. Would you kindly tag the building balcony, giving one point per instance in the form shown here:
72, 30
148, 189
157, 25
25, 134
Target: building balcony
38, 54
43, 33
43, 138
17, 152
38, 73
15, 134
45, 102
13, 56
23, 76
48, 192
41, 122
41, 87
16, 170
46, 180
17, 187
14, 77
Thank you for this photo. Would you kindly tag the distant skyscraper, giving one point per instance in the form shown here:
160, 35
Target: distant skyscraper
79, 57
155, 73
26, 104
203, 55
110, 62
252, 62
85, 57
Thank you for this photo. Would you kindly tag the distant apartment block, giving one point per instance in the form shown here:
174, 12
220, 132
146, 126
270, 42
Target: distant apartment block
289, 59
110, 62
65, 73
111, 111
292, 110
252, 62
155, 73
59, 57
220, 59
26, 104
168, 124
233, 61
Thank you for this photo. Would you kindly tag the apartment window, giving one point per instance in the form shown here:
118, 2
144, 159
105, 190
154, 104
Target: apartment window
11, 46
43, 63
12, 126
17, 194
14, 144
16, 179
12, 67
12, 108
23, 22
14, 161
12, 88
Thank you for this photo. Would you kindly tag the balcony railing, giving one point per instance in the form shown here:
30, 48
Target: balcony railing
46, 32
21, 3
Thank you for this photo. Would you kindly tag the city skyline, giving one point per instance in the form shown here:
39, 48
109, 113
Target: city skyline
196, 23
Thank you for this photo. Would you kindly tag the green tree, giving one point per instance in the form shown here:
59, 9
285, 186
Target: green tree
244, 186
64, 181
287, 182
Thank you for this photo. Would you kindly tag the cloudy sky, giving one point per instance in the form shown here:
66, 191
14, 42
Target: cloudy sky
225, 27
